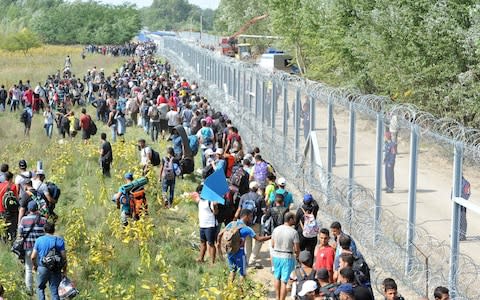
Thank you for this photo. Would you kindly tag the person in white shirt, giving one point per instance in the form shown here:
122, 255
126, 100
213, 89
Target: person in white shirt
208, 227
48, 121
145, 155
173, 119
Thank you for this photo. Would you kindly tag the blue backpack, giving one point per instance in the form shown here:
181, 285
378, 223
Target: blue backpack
193, 143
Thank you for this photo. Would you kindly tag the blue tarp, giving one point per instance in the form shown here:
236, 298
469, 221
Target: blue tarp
214, 187
142, 37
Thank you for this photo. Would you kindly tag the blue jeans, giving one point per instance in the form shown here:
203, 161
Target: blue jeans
169, 185
14, 105
146, 124
48, 130
53, 279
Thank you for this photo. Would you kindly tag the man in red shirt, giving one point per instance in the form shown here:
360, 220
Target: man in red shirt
10, 215
234, 140
85, 121
324, 253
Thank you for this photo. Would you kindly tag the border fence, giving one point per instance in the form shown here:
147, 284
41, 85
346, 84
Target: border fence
280, 113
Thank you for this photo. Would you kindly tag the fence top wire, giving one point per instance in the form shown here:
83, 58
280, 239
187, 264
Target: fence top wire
445, 130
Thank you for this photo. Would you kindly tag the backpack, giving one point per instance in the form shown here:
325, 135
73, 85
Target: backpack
145, 111
301, 278
328, 291
92, 128
53, 261
193, 143
24, 116
231, 238
237, 176
260, 172
251, 205
155, 115
76, 124
41, 203
361, 271
9, 201
155, 157
207, 171
207, 136
277, 214
138, 203
168, 169
309, 225
187, 165
53, 190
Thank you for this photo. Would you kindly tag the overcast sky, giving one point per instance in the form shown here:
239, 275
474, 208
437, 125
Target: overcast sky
213, 4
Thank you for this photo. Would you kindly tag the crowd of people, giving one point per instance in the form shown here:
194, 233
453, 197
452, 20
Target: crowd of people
309, 261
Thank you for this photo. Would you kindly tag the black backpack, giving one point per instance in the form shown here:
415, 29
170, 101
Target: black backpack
361, 271
53, 190
155, 158
9, 201
24, 116
277, 213
53, 261
92, 128
301, 278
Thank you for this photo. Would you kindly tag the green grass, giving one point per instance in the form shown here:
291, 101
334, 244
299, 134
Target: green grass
151, 259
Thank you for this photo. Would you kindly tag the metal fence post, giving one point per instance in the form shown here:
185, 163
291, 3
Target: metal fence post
239, 85
455, 233
262, 100
329, 136
257, 95
378, 176
285, 110
296, 118
272, 105
351, 161
412, 197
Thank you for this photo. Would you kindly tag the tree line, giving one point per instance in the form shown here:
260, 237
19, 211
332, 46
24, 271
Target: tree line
62, 22
418, 51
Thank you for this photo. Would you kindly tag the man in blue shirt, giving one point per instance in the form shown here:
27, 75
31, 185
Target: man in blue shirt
237, 261
42, 246
287, 197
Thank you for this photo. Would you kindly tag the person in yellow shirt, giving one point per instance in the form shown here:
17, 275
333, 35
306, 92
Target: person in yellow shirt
271, 186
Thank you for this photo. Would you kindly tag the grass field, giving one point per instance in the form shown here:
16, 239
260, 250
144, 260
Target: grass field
153, 258
46, 60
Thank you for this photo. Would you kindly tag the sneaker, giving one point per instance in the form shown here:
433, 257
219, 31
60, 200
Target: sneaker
258, 266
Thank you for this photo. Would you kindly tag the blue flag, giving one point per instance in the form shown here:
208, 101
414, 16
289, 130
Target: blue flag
214, 187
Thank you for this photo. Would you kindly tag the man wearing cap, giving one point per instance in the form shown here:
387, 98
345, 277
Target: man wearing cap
253, 202
345, 292
22, 177
237, 261
286, 247
309, 207
287, 197
308, 289
123, 202
219, 162
34, 224
10, 216
43, 245
389, 161
302, 273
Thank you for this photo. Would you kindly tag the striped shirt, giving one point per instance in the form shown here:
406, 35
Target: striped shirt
37, 231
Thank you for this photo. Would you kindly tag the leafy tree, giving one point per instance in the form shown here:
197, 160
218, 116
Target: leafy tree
23, 40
